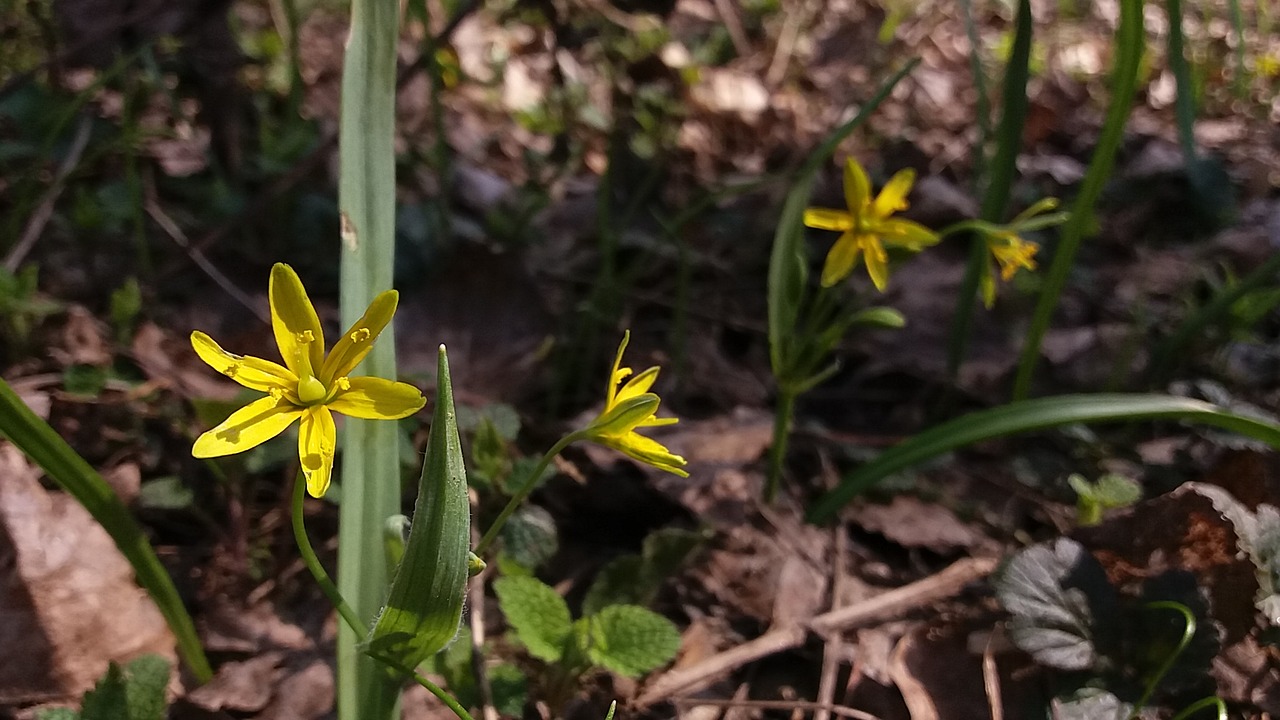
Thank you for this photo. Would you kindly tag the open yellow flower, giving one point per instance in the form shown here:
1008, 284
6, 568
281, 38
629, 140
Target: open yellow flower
868, 226
309, 386
628, 408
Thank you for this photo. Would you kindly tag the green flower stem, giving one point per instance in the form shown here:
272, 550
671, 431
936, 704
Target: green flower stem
1188, 632
1213, 701
529, 484
782, 417
344, 608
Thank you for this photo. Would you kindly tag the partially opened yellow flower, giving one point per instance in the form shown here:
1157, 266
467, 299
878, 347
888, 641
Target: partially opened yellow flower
867, 226
1008, 251
628, 408
310, 386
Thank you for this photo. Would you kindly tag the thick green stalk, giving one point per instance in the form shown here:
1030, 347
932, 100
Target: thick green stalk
1124, 81
370, 462
995, 199
47, 449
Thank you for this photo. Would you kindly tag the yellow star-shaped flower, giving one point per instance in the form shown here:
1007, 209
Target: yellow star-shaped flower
627, 408
310, 386
867, 226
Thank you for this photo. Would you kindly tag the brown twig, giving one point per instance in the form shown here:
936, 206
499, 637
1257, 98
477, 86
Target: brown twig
892, 604
44, 211
777, 705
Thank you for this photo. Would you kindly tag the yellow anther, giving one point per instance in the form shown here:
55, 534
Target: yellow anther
276, 393
231, 370
304, 337
344, 384
311, 390
360, 335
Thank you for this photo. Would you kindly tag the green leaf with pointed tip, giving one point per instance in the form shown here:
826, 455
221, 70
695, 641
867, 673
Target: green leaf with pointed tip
424, 607
537, 614
1027, 415
631, 640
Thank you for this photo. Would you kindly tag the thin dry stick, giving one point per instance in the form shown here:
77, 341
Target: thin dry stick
891, 604
778, 705
831, 651
991, 680
44, 210
476, 600
171, 229
733, 23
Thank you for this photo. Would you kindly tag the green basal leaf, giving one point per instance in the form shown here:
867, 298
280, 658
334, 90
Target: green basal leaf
424, 607
35, 438
1061, 603
631, 640
537, 614
1027, 415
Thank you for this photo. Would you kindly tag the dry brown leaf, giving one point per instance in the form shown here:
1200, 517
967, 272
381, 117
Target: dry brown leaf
911, 522
240, 686
70, 604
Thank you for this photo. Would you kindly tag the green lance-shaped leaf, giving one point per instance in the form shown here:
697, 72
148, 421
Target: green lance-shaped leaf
425, 605
34, 437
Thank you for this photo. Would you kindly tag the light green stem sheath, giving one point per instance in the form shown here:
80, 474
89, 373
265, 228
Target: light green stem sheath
529, 484
781, 433
344, 609
370, 466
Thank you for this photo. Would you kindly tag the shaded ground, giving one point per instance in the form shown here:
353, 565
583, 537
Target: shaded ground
539, 236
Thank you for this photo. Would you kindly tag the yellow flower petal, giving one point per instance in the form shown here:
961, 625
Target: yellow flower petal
618, 374
317, 439
356, 342
906, 234
841, 259
828, 219
893, 196
987, 283
248, 427
624, 416
857, 187
650, 452
637, 385
251, 372
374, 398
294, 320
877, 261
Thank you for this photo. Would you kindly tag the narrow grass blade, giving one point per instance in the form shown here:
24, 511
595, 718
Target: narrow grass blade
1027, 415
47, 449
995, 199
370, 462
1184, 103
425, 605
1124, 81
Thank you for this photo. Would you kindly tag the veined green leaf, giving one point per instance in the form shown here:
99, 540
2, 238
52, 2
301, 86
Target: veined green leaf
425, 606
1027, 415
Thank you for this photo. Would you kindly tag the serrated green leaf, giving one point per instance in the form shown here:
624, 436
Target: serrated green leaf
1061, 603
631, 640
537, 614
424, 608
635, 580
510, 689
147, 679
530, 537
107, 700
